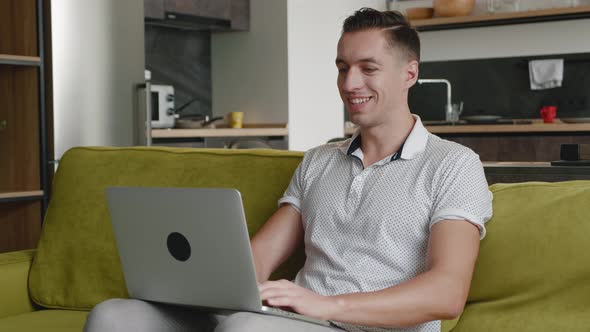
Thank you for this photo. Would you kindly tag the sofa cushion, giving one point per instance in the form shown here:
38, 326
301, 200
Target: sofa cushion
45, 321
77, 265
533, 270
14, 271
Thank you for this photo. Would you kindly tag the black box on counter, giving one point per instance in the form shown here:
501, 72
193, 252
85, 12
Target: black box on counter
574, 152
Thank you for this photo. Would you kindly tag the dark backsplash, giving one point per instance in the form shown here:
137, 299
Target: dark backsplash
501, 87
181, 58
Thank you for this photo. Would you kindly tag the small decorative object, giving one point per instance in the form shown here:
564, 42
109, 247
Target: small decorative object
503, 6
449, 8
419, 13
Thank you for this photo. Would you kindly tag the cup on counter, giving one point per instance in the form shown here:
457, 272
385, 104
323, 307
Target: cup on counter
235, 119
548, 113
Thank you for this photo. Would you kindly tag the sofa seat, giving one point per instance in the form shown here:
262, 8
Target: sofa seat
45, 321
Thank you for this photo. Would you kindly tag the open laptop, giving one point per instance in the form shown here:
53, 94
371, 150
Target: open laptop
189, 247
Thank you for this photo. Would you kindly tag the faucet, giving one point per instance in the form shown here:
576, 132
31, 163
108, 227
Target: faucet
450, 114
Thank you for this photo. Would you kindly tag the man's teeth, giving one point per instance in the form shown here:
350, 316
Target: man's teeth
360, 100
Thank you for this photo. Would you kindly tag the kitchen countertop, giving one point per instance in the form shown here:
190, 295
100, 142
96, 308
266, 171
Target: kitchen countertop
536, 127
220, 132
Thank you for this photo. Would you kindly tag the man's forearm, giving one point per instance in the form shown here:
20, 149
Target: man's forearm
430, 296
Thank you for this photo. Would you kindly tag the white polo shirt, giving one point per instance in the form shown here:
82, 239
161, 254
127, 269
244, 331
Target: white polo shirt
367, 229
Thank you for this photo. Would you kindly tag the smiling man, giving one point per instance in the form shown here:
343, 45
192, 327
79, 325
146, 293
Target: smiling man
391, 219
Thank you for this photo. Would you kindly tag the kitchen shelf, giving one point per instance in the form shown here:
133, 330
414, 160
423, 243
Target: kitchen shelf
19, 60
218, 132
536, 127
21, 196
532, 16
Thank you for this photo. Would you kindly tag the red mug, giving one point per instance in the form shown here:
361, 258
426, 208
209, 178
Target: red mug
548, 113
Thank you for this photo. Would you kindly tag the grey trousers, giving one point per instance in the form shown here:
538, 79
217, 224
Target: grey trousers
121, 315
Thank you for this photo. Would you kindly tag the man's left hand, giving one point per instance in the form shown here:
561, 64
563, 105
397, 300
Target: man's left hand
283, 293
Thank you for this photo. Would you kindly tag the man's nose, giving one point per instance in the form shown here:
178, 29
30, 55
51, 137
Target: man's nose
352, 81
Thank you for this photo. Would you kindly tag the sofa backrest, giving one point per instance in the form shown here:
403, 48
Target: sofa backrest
77, 265
533, 270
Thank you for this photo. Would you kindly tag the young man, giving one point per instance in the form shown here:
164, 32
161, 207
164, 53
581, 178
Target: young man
391, 219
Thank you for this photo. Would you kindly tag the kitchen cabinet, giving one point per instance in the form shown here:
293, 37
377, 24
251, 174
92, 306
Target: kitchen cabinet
219, 9
24, 173
473, 21
210, 15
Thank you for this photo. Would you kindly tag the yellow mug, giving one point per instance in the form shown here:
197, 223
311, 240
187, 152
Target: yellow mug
235, 119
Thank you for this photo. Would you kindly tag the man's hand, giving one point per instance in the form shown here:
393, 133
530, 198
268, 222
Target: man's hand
284, 293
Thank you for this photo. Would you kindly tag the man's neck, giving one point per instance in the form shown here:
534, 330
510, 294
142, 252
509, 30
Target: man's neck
385, 139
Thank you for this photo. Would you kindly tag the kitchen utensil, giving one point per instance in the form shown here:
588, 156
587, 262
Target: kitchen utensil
235, 119
197, 122
419, 13
456, 110
482, 118
449, 8
575, 120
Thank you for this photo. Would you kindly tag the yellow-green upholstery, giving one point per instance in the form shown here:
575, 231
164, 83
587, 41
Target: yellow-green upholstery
77, 265
14, 295
533, 273
45, 320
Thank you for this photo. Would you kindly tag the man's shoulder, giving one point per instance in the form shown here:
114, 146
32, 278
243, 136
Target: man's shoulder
443, 150
326, 151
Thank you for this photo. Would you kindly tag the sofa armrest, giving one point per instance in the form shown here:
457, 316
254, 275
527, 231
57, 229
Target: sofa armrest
14, 276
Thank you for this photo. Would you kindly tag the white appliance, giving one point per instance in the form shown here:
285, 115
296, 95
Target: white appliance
98, 55
163, 112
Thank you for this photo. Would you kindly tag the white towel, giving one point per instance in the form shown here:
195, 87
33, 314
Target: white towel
546, 74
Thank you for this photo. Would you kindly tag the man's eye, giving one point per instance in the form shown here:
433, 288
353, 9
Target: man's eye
370, 70
342, 70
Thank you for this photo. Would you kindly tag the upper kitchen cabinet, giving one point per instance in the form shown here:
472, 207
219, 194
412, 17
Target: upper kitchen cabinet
204, 15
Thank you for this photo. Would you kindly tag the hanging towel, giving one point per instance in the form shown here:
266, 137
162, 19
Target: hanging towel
545, 74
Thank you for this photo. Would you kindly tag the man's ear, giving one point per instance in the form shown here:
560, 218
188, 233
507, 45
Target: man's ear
411, 73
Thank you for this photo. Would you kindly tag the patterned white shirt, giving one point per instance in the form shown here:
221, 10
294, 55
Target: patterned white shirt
367, 229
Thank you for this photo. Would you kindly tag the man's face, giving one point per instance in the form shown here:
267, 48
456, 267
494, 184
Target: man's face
372, 77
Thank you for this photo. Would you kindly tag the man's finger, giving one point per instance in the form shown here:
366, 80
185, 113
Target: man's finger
282, 302
275, 284
277, 292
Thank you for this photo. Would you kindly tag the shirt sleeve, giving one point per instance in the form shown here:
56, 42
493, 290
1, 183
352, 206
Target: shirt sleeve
463, 193
294, 193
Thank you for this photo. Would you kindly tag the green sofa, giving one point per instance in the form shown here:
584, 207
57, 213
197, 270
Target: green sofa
533, 272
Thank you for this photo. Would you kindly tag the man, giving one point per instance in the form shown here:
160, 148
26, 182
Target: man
391, 219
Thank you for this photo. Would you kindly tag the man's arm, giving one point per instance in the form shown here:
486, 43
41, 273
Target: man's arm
438, 293
276, 241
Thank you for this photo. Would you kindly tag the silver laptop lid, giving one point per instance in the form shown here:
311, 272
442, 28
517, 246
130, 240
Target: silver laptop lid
185, 246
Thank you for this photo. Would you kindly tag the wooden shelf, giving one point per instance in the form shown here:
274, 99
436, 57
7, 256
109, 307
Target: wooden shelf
554, 14
19, 195
20, 60
218, 132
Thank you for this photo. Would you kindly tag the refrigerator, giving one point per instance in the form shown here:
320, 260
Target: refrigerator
98, 57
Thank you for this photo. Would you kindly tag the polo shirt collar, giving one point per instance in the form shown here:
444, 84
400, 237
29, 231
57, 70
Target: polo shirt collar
413, 146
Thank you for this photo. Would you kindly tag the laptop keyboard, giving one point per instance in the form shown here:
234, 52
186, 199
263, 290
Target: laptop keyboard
281, 312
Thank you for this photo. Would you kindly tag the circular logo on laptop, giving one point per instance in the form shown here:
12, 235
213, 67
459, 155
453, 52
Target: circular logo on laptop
178, 246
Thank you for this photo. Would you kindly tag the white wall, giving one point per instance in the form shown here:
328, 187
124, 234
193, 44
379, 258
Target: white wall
315, 108
507, 41
283, 70
249, 69
98, 57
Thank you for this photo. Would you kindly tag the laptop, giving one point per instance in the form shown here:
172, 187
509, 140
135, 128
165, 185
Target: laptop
188, 247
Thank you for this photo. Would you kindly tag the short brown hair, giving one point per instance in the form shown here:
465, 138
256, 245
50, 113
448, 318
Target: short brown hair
400, 32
